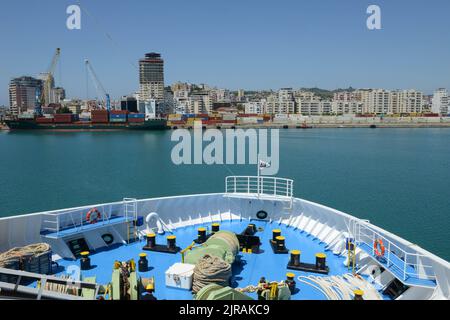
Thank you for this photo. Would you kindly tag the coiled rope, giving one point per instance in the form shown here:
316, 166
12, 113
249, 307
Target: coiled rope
210, 269
341, 287
18, 254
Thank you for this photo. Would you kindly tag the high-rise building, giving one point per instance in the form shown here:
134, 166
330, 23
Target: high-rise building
22, 94
151, 77
440, 102
129, 103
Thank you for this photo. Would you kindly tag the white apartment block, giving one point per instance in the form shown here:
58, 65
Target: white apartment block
199, 102
346, 107
375, 101
277, 106
255, 107
406, 101
440, 103
281, 103
314, 107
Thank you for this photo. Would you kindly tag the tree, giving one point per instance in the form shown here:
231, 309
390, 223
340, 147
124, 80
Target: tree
63, 110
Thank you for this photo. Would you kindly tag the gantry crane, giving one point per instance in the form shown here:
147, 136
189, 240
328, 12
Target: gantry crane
98, 85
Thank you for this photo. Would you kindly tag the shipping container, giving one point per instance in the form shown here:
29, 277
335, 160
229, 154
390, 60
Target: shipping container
229, 116
136, 120
116, 112
136, 116
63, 118
44, 120
430, 115
117, 116
177, 122
118, 120
248, 115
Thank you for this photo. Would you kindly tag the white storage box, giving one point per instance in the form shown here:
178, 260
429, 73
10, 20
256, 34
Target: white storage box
179, 275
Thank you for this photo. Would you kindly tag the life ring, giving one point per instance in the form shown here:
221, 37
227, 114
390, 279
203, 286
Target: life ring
90, 218
379, 248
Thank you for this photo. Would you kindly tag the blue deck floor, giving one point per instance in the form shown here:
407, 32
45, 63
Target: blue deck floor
251, 269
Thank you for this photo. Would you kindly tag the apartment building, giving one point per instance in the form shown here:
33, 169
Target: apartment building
440, 102
23, 94
255, 107
281, 103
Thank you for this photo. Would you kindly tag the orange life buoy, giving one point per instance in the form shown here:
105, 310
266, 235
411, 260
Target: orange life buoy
94, 218
379, 248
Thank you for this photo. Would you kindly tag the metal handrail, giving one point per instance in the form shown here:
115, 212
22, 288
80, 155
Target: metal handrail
76, 219
264, 185
373, 235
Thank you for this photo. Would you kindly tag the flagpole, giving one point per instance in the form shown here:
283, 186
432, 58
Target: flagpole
258, 168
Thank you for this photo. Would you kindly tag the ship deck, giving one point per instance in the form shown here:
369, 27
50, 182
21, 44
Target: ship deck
247, 269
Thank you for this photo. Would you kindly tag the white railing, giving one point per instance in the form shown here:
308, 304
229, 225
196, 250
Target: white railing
395, 257
261, 185
74, 219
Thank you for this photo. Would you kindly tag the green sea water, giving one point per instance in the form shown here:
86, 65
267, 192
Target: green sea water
399, 179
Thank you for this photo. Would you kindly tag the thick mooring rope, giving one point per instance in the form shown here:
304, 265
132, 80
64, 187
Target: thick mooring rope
341, 287
210, 269
20, 253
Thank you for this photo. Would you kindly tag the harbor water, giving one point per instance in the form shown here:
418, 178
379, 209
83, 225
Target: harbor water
399, 179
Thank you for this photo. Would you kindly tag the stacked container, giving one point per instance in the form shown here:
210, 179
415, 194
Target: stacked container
44, 120
118, 116
99, 116
63, 118
136, 117
174, 117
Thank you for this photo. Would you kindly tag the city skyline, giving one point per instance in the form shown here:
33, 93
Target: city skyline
234, 55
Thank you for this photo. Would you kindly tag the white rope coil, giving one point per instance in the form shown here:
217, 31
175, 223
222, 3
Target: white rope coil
341, 287
210, 269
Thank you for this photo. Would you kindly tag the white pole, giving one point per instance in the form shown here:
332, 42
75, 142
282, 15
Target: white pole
257, 166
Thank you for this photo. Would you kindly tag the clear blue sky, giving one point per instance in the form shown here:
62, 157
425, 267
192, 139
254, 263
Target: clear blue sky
251, 44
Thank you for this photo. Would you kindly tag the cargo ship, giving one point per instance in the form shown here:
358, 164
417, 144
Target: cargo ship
101, 120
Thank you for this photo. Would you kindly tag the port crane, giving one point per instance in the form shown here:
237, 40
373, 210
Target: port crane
43, 95
98, 85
